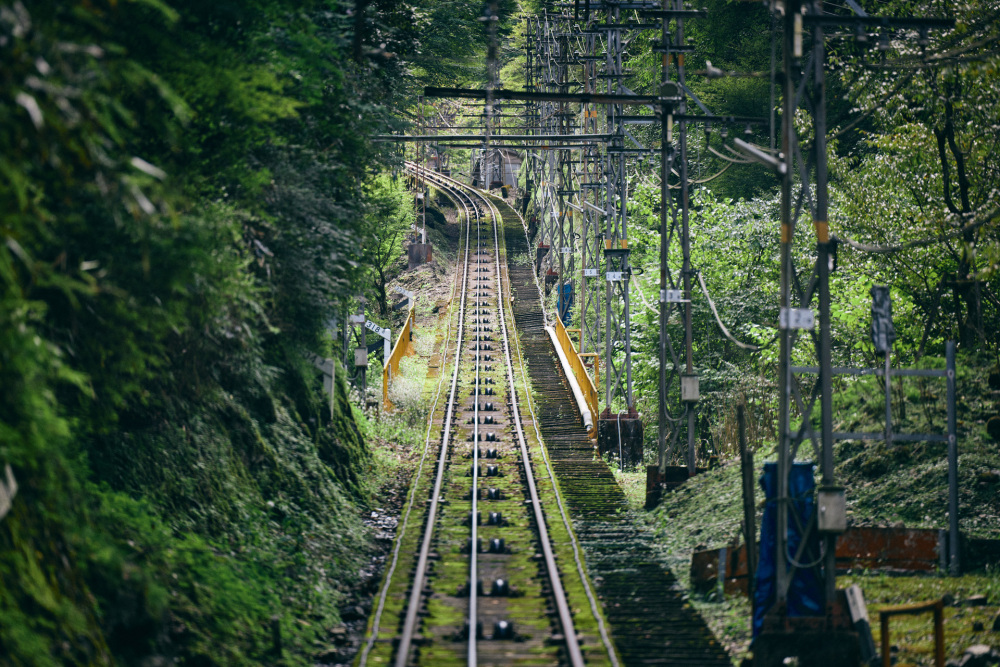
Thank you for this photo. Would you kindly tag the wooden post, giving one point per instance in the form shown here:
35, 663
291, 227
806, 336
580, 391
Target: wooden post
749, 509
884, 631
936, 607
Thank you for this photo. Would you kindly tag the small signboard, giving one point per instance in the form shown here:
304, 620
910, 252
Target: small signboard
590, 273
371, 326
672, 296
615, 276
796, 318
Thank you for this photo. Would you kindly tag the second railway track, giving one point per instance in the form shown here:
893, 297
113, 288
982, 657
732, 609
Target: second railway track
485, 569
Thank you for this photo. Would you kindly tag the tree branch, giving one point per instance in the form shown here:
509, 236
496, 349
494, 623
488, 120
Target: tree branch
920, 243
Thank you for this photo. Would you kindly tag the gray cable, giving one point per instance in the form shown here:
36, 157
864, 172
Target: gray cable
725, 331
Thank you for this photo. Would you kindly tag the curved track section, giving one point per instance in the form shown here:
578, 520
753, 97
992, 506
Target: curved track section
477, 581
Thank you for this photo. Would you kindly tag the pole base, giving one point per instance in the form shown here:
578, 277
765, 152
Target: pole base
823, 648
629, 445
417, 254
818, 641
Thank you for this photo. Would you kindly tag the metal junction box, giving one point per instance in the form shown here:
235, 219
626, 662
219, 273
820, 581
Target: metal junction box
689, 389
832, 509
361, 357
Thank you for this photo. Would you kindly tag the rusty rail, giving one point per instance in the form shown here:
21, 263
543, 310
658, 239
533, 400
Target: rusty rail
402, 348
587, 386
936, 606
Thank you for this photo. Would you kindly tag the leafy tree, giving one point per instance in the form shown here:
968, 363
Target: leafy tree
184, 212
389, 217
923, 191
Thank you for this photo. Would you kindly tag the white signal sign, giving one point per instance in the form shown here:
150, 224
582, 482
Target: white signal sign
371, 326
615, 276
590, 273
672, 296
796, 318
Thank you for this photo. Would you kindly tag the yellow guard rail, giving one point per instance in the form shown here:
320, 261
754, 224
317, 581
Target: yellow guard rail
402, 348
587, 386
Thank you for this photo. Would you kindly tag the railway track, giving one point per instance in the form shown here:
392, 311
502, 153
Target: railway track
482, 571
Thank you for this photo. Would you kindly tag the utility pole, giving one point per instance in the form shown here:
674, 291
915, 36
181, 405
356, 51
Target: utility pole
804, 183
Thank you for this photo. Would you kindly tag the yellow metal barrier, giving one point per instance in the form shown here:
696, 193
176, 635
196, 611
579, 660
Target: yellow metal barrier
588, 386
402, 348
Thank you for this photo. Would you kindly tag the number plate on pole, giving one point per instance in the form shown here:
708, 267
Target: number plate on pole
797, 318
672, 295
615, 276
590, 273
371, 326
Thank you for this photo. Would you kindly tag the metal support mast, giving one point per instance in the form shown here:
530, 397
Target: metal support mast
618, 338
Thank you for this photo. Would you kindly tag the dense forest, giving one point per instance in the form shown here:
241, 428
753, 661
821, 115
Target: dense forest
190, 195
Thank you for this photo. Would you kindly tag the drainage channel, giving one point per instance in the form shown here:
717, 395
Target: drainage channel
651, 623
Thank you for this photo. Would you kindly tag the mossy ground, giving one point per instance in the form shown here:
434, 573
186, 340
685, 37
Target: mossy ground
885, 486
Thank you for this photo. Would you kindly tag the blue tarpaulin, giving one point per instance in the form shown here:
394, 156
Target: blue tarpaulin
565, 303
805, 594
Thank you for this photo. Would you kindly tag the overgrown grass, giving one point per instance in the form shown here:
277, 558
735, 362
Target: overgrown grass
904, 484
913, 635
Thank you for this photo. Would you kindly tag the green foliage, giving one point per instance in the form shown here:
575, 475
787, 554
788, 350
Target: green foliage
184, 215
388, 219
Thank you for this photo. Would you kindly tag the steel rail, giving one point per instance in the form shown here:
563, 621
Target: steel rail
577, 556
376, 623
474, 515
420, 573
558, 592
